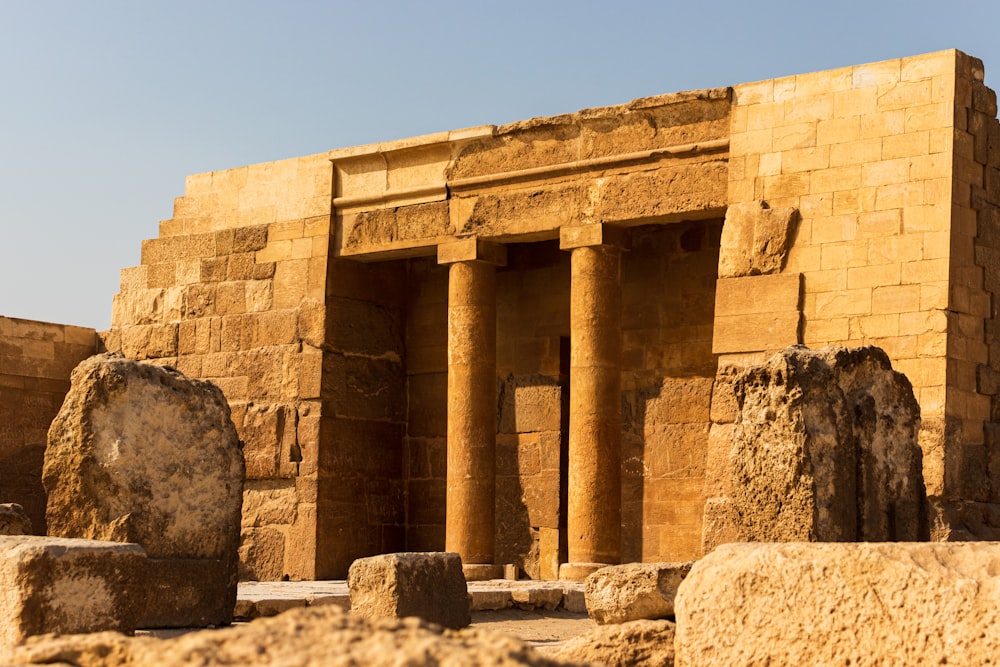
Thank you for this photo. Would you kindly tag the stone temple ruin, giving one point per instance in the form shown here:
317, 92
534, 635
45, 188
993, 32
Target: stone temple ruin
555, 299
524, 343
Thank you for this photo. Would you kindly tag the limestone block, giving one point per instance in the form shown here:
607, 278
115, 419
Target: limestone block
14, 520
51, 584
643, 643
755, 239
320, 635
140, 453
428, 585
840, 604
633, 591
825, 448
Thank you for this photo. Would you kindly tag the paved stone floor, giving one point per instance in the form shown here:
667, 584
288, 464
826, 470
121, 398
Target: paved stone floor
542, 613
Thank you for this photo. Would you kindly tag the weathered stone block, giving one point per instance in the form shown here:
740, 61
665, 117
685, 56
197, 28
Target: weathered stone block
825, 448
428, 585
66, 586
140, 453
14, 520
839, 604
641, 643
755, 239
633, 591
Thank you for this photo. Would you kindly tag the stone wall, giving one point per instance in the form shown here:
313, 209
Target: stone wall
878, 161
36, 359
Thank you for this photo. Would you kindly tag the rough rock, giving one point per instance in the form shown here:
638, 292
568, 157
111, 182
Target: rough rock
841, 604
825, 449
621, 593
306, 637
140, 453
51, 584
14, 520
643, 643
430, 586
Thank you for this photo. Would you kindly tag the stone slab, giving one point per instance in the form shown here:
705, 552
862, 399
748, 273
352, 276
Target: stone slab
59, 585
841, 604
428, 585
634, 591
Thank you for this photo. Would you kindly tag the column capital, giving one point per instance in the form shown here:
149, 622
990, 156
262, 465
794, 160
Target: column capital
472, 249
597, 233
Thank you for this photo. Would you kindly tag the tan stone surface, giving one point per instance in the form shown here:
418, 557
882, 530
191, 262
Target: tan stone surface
642, 643
834, 604
428, 585
58, 585
13, 520
633, 591
140, 453
305, 637
756, 239
824, 448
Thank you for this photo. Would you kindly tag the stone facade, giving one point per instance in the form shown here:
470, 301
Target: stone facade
35, 362
634, 257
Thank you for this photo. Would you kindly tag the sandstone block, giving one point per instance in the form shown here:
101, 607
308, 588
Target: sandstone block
428, 585
755, 239
839, 604
825, 448
14, 520
633, 591
322, 635
139, 453
50, 584
643, 643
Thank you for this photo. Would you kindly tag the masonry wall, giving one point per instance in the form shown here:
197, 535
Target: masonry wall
865, 154
233, 291
36, 359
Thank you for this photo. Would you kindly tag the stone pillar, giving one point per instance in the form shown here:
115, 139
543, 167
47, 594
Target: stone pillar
472, 403
594, 511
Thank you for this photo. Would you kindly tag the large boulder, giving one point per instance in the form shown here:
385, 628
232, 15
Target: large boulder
140, 453
14, 520
51, 584
841, 604
621, 593
642, 643
825, 449
306, 637
430, 586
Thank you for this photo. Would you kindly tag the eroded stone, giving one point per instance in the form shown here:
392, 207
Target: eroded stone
428, 585
633, 591
139, 453
841, 604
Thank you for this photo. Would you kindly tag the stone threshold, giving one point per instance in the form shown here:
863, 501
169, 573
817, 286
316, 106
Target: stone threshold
255, 599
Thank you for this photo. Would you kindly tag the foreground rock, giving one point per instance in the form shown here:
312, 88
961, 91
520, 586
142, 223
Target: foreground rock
430, 586
14, 520
633, 591
50, 584
825, 449
841, 604
139, 453
633, 644
307, 637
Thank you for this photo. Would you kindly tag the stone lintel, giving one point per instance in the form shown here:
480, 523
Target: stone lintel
598, 233
472, 249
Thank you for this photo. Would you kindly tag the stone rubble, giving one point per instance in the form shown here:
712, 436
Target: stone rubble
140, 453
58, 585
841, 604
634, 591
430, 586
14, 520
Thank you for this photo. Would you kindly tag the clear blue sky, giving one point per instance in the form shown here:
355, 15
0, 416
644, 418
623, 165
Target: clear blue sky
106, 105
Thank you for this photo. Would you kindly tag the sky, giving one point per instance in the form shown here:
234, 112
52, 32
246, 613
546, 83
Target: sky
106, 105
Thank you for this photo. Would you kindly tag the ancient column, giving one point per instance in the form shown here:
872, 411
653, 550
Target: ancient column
472, 403
594, 504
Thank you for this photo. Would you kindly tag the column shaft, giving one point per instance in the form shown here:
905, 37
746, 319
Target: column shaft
594, 511
469, 526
